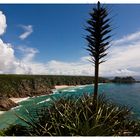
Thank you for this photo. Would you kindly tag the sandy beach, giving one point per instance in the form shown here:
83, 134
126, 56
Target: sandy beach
1, 112
17, 100
62, 86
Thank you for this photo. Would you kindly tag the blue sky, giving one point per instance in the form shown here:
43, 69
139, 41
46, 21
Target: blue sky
58, 29
50, 38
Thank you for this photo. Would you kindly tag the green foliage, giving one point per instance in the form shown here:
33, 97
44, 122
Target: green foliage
29, 85
81, 117
98, 38
15, 130
99, 29
2, 133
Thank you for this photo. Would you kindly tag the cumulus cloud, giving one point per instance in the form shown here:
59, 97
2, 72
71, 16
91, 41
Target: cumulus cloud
128, 38
10, 64
8, 61
6, 57
123, 58
73, 68
28, 53
123, 61
3, 24
54, 67
27, 31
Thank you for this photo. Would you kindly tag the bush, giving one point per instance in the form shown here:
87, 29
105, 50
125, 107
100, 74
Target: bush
15, 130
2, 133
81, 117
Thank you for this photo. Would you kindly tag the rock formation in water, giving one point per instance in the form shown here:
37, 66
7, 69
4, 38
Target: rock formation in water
128, 79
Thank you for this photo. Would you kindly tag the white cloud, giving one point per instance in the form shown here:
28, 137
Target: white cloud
27, 31
85, 58
54, 67
73, 68
7, 58
28, 53
8, 61
128, 38
123, 59
3, 24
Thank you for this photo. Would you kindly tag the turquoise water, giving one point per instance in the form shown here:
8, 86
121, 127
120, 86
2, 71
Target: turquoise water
126, 94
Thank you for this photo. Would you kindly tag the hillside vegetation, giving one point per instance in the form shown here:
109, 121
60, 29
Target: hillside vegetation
31, 85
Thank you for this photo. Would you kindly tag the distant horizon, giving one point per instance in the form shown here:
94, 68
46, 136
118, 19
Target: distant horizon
70, 75
50, 40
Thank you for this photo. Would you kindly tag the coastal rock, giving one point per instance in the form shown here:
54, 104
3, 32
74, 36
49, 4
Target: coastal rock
6, 104
32, 88
128, 79
25, 88
18, 86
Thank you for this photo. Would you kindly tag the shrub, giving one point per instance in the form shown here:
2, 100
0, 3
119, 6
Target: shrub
15, 130
81, 117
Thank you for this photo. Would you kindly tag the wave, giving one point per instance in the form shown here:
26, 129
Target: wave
72, 90
17, 107
55, 92
44, 101
65, 90
24, 99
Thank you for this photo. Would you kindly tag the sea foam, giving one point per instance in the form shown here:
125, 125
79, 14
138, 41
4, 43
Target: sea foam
44, 101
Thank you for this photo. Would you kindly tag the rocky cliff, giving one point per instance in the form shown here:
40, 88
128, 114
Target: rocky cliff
33, 85
21, 86
24, 87
6, 104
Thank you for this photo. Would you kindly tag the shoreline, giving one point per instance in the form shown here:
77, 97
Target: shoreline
63, 86
2, 112
56, 87
17, 100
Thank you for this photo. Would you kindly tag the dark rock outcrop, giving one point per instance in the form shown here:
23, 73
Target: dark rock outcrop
6, 104
128, 79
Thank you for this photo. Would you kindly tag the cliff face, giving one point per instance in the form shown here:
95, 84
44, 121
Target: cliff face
6, 104
24, 87
21, 87
31, 88
33, 85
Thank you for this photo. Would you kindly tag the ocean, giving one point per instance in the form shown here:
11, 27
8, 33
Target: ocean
122, 94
